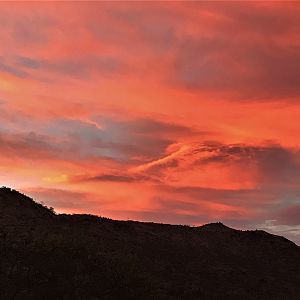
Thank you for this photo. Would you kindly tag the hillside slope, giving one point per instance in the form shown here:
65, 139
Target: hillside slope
48, 256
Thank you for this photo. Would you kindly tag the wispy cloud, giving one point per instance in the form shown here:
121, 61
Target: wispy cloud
186, 113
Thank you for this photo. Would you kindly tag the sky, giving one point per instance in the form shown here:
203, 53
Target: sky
172, 112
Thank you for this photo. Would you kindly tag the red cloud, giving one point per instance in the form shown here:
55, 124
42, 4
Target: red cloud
119, 102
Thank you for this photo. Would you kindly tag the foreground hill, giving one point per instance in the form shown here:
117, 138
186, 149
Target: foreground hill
49, 256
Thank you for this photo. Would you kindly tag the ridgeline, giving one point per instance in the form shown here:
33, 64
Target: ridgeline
44, 255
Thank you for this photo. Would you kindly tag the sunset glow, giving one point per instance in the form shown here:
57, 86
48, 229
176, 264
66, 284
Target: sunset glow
182, 112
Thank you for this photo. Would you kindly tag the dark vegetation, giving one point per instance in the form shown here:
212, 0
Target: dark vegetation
49, 256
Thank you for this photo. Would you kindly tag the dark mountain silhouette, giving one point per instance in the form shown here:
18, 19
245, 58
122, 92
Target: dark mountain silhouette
49, 256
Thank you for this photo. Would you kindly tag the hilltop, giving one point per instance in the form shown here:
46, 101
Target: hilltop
57, 256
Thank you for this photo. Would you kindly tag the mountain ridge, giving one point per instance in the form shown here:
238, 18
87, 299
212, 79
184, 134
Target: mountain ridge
58, 256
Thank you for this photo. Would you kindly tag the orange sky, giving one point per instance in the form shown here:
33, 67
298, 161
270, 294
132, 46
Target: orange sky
182, 112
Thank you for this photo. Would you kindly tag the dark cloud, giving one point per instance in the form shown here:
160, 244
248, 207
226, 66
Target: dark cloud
250, 50
254, 70
275, 163
27, 146
16, 71
238, 197
82, 67
116, 140
113, 177
139, 148
272, 163
76, 140
40, 146
262, 17
144, 139
28, 62
149, 126
244, 53
288, 215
